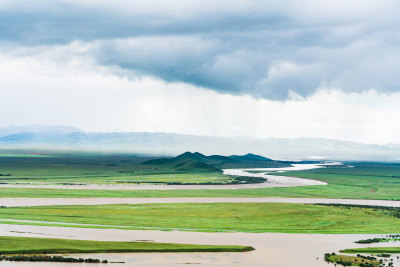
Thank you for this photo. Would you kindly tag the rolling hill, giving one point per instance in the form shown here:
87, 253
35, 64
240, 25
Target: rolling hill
198, 162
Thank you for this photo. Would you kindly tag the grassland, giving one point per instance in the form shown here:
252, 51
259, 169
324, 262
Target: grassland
243, 217
82, 168
31, 245
373, 250
345, 260
363, 181
323, 191
179, 178
109, 169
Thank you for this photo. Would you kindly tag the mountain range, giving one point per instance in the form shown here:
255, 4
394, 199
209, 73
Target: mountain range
66, 137
198, 161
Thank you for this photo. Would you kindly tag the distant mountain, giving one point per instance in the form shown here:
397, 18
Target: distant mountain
192, 166
47, 138
254, 161
19, 138
65, 137
199, 161
10, 130
213, 159
187, 156
185, 162
250, 157
194, 156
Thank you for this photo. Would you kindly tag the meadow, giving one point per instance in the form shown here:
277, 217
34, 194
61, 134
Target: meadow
362, 181
345, 260
383, 189
97, 169
241, 217
372, 250
32, 245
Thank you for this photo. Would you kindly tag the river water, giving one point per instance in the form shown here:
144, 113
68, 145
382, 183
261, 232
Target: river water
272, 249
272, 181
277, 250
21, 202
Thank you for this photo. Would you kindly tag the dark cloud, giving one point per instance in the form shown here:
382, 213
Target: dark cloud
242, 47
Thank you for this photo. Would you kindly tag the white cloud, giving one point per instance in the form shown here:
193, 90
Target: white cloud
150, 65
78, 93
227, 46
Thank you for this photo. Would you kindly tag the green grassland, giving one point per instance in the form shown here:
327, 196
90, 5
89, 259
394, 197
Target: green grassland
109, 169
243, 217
164, 178
31, 245
345, 260
363, 181
75, 168
351, 187
372, 250
329, 191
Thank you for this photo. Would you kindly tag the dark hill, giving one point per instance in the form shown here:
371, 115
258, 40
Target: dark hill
193, 165
254, 161
221, 159
194, 156
250, 157
185, 162
215, 162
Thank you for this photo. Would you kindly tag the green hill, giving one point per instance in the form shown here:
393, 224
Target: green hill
249, 157
193, 162
196, 161
193, 165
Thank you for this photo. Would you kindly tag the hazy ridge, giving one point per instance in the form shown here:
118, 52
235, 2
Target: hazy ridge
66, 137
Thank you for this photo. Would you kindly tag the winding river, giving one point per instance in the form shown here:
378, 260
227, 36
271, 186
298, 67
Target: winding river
272, 249
275, 250
271, 181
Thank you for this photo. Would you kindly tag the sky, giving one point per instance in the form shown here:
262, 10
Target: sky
307, 68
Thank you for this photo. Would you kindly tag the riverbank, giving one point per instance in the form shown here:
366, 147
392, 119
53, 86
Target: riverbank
214, 217
32, 245
27, 202
271, 181
278, 250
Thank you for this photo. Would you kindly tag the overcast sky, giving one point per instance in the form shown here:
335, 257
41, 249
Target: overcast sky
311, 68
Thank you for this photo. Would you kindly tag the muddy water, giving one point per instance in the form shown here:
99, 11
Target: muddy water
20, 202
272, 181
276, 250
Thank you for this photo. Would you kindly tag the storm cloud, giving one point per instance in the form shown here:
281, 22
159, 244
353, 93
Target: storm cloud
266, 49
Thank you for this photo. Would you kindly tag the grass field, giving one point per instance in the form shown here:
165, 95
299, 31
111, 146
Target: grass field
108, 169
190, 178
31, 245
373, 250
363, 181
344, 260
322, 191
243, 217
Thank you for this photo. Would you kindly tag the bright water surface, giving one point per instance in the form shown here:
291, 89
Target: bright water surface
272, 249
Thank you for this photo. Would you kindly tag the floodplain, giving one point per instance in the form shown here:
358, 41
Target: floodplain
352, 181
